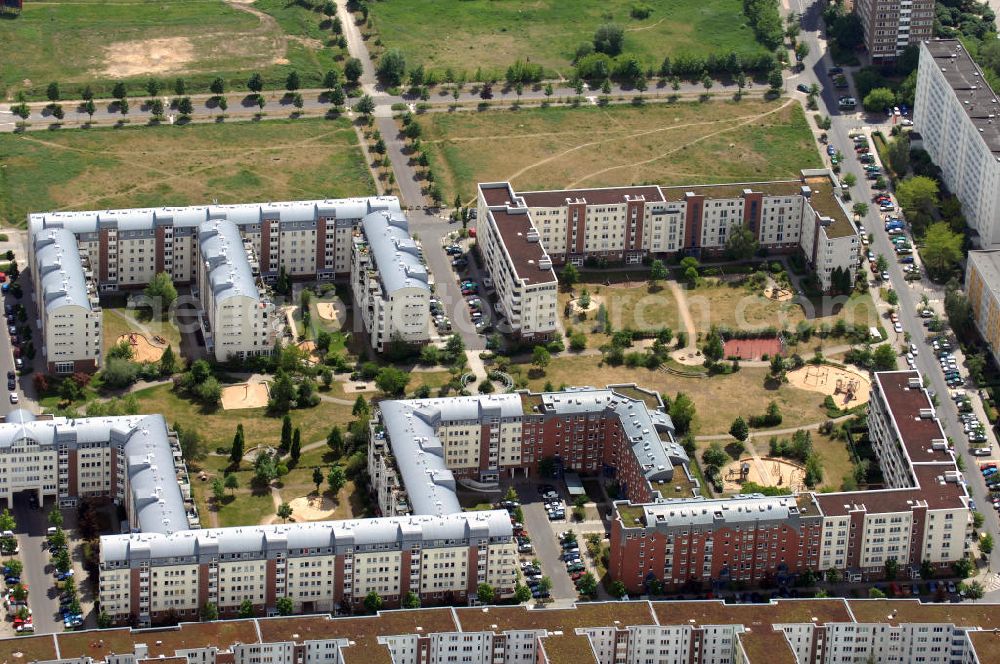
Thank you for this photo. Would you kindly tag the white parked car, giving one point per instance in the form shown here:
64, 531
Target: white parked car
898, 327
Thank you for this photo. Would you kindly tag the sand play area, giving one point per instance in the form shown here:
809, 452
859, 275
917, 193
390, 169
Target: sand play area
143, 349
595, 303
778, 294
245, 395
849, 388
767, 471
313, 508
328, 311
310, 347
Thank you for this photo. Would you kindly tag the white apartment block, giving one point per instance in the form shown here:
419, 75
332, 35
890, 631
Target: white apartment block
516, 260
629, 224
892, 25
923, 514
236, 317
69, 311
126, 248
955, 112
811, 631
390, 282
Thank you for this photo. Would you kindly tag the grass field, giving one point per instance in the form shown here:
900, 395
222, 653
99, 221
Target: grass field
718, 399
147, 166
492, 35
629, 304
115, 322
671, 144
96, 43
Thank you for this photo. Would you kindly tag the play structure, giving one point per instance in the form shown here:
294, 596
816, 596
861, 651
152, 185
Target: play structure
144, 349
245, 395
766, 471
848, 388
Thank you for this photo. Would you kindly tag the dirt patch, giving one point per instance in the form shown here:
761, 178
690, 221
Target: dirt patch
752, 349
310, 347
143, 349
147, 56
245, 395
767, 471
313, 508
778, 294
848, 388
595, 303
330, 311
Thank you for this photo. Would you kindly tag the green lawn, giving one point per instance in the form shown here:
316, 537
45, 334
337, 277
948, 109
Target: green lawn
92, 42
671, 144
465, 35
149, 166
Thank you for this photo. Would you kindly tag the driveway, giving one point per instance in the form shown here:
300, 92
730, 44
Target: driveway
43, 598
547, 549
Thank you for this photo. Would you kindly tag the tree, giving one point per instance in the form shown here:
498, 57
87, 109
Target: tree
587, 585
522, 593
959, 312
715, 456
218, 489
657, 271
209, 612
295, 451
860, 209
739, 429
926, 570
714, 347
184, 106
545, 584
336, 478
162, 292
255, 83
485, 593
156, 108
153, 87
246, 609
180, 86
284, 606
682, 412
210, 391
891, 568
353, 70
878, 100
52, 91
963, 568
919, 193
283, 394
55, 517
884, 358
285, 512
168, 361
986, 544
218, 85
119, 91
89, 107
391, 67
875, 593
373, 602
899, 155
850, 179
775, 80
618, 589
411, 600
392, 381
292, 81
365, 105
609, 38
570, 275
14, 567
123, 107
741, 244
942, 250
540, 357
236, 450
232, 483
335, 441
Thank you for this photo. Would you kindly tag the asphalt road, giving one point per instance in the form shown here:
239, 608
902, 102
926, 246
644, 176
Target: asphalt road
43, 597
816, 67
547, 548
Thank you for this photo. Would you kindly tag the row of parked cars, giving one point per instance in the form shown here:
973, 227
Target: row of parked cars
991, 475
571, 555
15, 594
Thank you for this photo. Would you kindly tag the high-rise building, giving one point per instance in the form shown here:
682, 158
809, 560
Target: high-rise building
892, 25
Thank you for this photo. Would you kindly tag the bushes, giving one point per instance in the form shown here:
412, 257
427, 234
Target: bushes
766, 21
771, 418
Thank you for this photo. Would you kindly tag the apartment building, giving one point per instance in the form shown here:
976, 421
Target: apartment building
517, 262
236, 317
629, 224
892, 25
982, 285
132, 459
480, 438
922, 514
325, 566
955, 112
390, 282
69, 311
808, 631
127, 248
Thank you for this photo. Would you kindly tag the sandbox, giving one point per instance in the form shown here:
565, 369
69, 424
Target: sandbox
595, 303
778, 294
848, 388
310, 348
327, 310
245, 395
768, 471
144, 349
313, 508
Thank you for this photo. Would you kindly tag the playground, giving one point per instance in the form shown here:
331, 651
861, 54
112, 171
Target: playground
847, 387
144, 350
310, 348
245, 395
778, 294
752, 349
766, 471
328, 311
